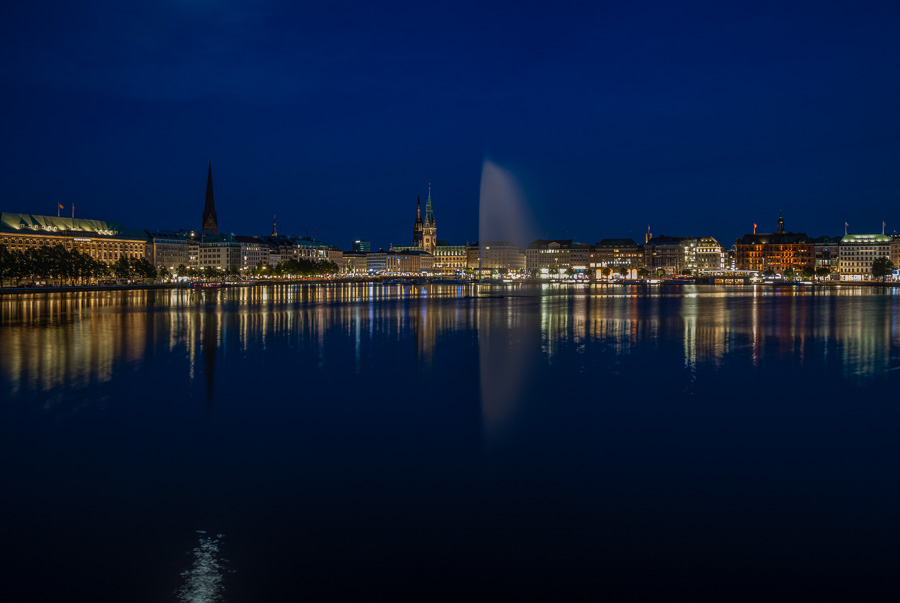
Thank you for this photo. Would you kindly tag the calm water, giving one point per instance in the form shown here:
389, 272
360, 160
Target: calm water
372, 441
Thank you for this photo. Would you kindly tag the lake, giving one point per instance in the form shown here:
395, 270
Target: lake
370, 441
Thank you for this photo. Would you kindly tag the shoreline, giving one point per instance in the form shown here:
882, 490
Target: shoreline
390, 281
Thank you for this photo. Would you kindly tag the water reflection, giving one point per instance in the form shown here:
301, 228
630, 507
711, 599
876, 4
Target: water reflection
59, 343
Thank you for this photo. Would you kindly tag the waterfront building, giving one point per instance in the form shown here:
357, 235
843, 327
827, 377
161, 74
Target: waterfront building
895, 252
473, 257
355, 263
857, 252
222, 252
776, 251
709, 255
673, 255
254, 252
104, 241
827, 251
210, 218
611, 253
335, 255
409, 262
549, 257
360, 246
193, 251
449, 259
501, 256
168, 249
376, 262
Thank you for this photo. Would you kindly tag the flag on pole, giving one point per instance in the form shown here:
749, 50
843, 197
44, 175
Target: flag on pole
61, 206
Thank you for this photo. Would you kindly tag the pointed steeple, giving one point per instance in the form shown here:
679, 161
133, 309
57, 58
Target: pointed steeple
429, 212
417, 225
274, 228
780, 224
210, 219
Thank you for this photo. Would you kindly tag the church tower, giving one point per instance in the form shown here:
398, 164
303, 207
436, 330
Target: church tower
780, 224
210, 220
417, 225
429, 228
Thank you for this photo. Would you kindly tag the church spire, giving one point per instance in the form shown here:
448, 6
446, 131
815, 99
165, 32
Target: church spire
274, 229
417, 225
780, 224
429, 212
210, 219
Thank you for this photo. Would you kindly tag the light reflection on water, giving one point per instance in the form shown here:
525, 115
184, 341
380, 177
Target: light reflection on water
75, 340
600, 429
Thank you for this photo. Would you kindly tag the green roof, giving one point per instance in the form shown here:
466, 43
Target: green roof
866, 238
54, 224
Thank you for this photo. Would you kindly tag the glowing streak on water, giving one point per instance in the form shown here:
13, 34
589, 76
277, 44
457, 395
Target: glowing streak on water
203, 582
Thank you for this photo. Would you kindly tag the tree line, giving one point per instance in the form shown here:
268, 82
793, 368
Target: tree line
57, 264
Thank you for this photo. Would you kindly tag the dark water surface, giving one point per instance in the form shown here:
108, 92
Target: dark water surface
369, 442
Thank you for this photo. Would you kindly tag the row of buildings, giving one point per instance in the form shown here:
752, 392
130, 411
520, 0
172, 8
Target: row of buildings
849, 257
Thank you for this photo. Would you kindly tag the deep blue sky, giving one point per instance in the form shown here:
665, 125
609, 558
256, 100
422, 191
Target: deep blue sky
696, 118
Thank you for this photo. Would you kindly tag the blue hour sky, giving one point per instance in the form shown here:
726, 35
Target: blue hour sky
694, 118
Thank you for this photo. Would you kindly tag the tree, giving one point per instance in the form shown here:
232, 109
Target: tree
141, 268
643, 273
882, 267
768, 272
122, 268
660, 272
606, 271
182, 271
686, 272
807, 272
823, 271
789, 273
164, 274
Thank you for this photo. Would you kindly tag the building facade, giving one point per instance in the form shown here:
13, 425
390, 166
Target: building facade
429, 227
551, 258
168, 249
776, 251
616, 254
101, 240
449, 259
709, 255
667, 254
857, 252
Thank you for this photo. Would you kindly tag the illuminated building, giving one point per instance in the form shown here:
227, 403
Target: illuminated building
670, 254
550, 257
828, 252
776, 251
709, 255
449, 259
429, 227
408, 262
168, 249
616, 252
103, 241
499, 255
355, 263
857, 252
360, 246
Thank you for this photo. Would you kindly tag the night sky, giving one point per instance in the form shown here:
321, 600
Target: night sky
695, 118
